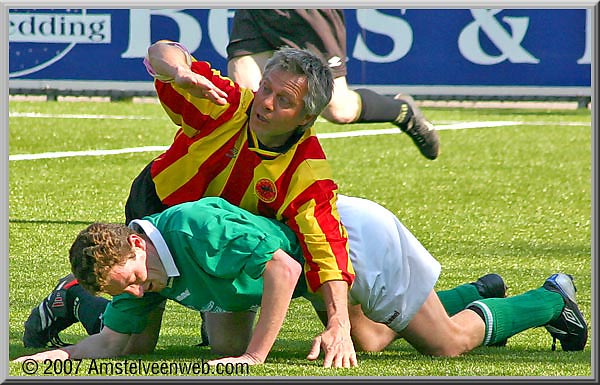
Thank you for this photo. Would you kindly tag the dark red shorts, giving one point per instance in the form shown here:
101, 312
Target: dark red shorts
322, 31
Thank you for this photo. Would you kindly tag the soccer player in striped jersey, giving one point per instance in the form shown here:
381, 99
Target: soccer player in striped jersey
259, 151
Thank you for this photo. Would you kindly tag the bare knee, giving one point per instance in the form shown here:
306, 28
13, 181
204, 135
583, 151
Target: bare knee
337, 115
229, 333
344, 106
343, 110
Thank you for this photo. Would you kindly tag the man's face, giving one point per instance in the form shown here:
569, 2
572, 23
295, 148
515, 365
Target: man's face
278, 107
134, 277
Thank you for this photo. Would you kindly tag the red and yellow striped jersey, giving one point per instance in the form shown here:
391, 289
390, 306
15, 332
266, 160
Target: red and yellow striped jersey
214, 153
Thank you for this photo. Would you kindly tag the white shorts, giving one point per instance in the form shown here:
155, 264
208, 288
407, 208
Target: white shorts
394, 273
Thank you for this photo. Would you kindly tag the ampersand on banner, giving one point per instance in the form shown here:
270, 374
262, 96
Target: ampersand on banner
508, 42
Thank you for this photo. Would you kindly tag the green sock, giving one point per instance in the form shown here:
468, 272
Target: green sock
505, 317
457, 299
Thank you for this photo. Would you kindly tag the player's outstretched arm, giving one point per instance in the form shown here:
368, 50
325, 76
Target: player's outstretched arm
279, 280
107, 343
171, 62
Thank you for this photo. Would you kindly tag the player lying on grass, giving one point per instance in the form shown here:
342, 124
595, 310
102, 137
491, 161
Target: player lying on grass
213, 256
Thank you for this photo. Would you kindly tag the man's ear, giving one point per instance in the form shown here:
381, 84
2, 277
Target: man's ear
307, 119
136, 241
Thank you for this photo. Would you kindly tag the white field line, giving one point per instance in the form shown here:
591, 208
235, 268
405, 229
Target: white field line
77, 116
346, 134
66, 154
396, 130
447, 126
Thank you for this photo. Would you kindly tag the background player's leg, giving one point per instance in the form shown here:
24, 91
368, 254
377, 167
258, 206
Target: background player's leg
345, 104
247, 70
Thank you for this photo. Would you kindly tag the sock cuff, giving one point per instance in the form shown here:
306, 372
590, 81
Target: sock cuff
486, 314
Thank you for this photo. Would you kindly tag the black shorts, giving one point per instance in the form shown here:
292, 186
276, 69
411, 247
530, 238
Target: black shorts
143, 199
322, 31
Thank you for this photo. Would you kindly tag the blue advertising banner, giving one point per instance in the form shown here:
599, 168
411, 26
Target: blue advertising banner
414, 47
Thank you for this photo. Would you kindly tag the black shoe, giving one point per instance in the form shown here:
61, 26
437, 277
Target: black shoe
570, 327
420, 130
492, 286
50, 317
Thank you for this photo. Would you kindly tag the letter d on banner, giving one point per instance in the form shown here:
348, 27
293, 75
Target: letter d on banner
190, 32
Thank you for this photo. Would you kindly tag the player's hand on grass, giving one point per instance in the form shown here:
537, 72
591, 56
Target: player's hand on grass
245, 358
337, 347
53, 355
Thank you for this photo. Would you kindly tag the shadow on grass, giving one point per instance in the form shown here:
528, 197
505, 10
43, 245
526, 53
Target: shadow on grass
288, 358
285, 349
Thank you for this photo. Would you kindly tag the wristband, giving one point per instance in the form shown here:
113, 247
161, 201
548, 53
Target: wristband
165, 78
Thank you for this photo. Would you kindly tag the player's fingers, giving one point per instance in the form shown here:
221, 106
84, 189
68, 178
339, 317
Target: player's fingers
346, 362
202, 84
338, 360
329, 357
216, 90
353, 360
220, 92
209, 94
217, 361
210, 86
315, 350
216, 98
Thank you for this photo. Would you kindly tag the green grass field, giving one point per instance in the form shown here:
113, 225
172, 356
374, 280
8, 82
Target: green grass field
513, 199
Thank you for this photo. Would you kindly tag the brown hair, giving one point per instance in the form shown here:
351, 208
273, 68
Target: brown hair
96, 250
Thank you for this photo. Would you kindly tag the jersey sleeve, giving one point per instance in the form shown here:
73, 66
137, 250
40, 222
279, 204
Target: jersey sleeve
194, 114
127, 314
313, 216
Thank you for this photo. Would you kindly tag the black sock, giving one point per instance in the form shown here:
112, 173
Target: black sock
86, 307
379, 108
477, 310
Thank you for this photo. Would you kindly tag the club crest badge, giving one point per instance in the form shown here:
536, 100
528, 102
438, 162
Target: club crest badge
266, 190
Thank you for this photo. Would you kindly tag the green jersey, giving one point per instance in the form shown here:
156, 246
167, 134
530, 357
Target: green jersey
214, 254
